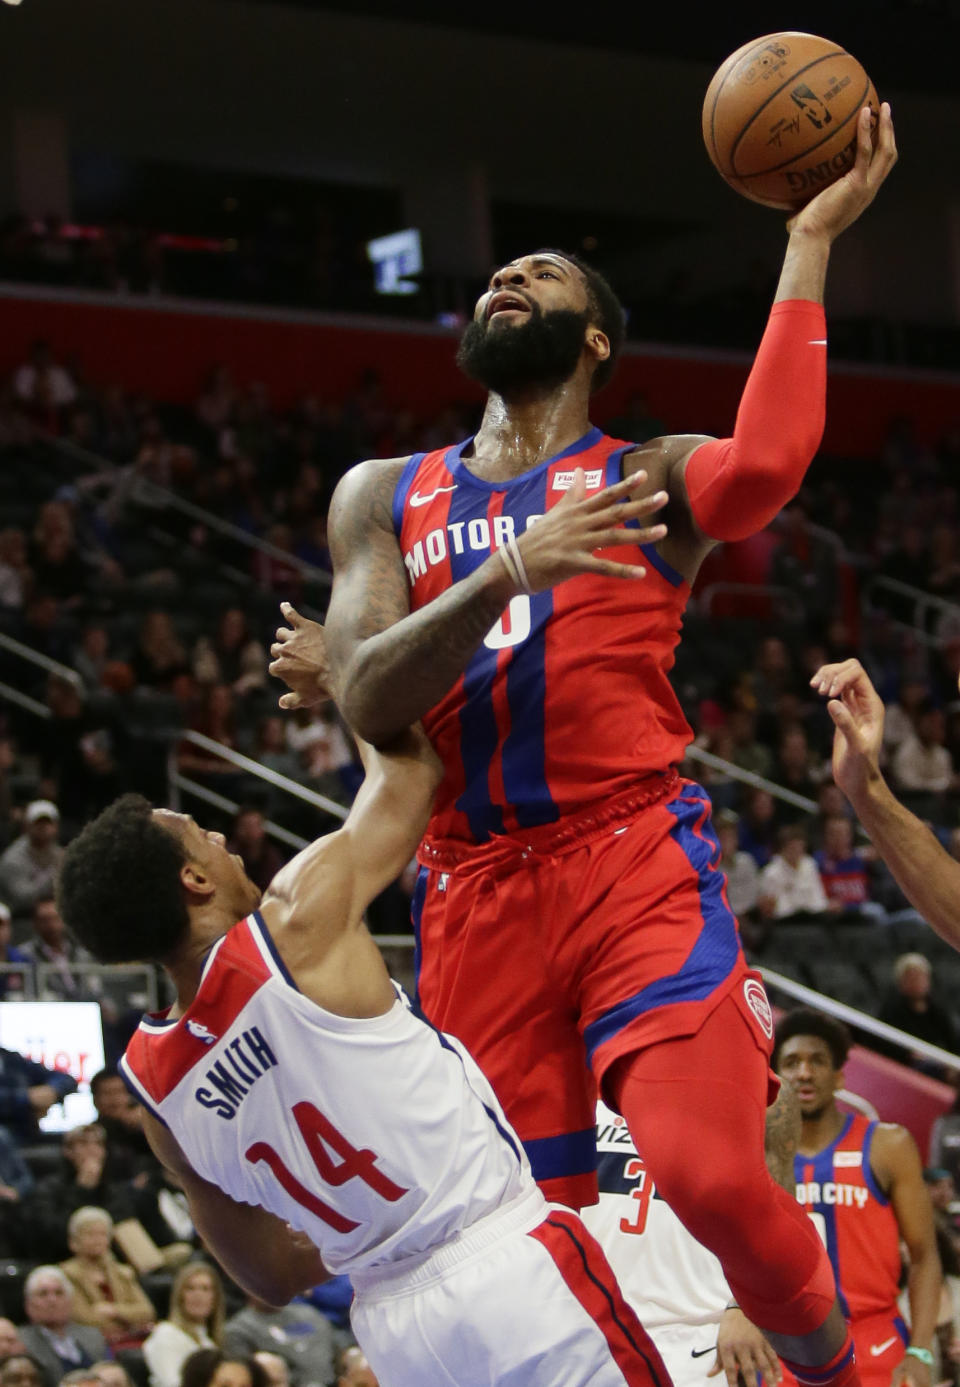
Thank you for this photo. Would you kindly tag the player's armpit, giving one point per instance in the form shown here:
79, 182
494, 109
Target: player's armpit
257, 1249
685, 546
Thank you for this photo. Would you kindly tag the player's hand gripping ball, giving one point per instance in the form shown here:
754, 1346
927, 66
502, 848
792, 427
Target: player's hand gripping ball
780, 117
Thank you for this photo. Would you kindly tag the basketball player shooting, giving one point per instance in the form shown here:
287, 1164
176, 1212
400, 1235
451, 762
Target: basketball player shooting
570, 912
291, 1087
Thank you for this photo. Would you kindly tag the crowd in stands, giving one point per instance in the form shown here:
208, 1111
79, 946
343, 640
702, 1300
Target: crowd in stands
165, 619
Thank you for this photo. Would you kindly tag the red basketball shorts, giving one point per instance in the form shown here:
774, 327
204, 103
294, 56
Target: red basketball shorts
551, 956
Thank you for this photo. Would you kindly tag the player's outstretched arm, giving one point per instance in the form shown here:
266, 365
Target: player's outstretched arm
896, 1162
259, 1251
925, 872
735, 486
392, 665
329, 885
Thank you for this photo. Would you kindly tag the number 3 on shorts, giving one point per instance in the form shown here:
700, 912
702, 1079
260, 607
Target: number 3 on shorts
513, 627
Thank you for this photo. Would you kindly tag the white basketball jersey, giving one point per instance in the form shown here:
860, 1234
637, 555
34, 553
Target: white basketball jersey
665, 1274
380, 1138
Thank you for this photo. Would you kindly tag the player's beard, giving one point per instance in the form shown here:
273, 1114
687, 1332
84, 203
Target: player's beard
510, 359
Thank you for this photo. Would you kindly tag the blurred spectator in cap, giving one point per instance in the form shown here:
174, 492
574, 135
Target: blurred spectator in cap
11, 984
28, 868
27, 1091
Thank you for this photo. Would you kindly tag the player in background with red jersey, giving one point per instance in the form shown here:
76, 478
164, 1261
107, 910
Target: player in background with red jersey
862, 1184
571, 910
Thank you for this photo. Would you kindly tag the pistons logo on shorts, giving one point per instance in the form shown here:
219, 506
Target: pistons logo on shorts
756, 999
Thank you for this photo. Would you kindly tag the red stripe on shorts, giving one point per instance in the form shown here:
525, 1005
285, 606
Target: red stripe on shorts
587, 1274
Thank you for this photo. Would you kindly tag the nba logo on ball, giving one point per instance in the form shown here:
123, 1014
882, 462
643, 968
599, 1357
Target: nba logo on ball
756, 999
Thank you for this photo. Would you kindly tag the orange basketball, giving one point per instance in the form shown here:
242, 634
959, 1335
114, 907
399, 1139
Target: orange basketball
780, 117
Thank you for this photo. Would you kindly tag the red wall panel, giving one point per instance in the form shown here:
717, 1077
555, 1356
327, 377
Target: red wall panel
166, 351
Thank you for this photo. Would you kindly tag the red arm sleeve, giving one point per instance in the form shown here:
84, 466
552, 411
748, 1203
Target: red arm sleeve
737, 485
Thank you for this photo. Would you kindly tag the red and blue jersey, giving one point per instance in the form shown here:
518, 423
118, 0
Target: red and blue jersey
839, 1190
568, 700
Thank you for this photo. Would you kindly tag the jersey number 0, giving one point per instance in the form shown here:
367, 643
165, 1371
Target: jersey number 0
319, 1133
512, 628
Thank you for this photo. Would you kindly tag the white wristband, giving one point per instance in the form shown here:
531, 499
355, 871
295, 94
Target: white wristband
514, 548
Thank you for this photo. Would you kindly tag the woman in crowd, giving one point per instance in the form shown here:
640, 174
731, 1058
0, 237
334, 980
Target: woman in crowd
195, 1321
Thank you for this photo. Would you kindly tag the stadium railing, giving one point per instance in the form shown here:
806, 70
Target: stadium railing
928, 610
181, 784
138, 490
756, 782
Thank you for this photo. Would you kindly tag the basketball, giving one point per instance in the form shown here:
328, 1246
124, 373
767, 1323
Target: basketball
780, 117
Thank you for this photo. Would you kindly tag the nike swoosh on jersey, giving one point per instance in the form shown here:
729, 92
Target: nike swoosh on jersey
877, 1349
699, 1352
417, 500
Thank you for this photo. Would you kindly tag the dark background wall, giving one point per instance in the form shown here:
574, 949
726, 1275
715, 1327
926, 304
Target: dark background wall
458, 120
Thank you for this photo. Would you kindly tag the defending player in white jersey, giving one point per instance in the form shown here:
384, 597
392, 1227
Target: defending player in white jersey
674, 1283
317, 1124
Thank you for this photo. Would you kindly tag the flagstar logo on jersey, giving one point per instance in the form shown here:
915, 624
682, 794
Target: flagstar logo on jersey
199, 1030
756, 999
847, 1158
563, 481
417, 500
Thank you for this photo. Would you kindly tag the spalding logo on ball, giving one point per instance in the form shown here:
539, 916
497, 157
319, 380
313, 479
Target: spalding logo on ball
780, 117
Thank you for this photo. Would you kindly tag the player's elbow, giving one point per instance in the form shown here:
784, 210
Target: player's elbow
367, 707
